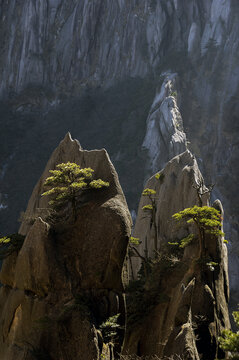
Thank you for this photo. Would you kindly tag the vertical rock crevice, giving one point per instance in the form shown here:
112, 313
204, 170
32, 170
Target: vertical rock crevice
179, 306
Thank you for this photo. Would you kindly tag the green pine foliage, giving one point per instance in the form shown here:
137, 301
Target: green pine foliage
134, 241
205, 218
184, 241
109, 328
151, 209
147, 207
229, 341
67, 183
211, 265
148, 192
159, 176
10, 244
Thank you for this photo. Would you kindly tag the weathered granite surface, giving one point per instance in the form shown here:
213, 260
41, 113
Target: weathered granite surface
65, 65
67, 278
182, 306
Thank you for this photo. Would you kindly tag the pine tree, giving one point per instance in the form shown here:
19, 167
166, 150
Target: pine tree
205, 220
229, 341
67, 183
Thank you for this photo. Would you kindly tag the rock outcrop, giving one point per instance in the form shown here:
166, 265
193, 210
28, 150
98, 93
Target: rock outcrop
165, 136
174, 192
179, 305
70, 45
67, 278
66, 66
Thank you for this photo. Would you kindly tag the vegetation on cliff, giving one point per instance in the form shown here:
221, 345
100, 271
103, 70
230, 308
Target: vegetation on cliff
229, 341
182, 275
66, 185
10, 244
205, 220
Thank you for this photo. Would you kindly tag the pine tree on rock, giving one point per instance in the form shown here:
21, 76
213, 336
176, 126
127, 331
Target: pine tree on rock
67, 184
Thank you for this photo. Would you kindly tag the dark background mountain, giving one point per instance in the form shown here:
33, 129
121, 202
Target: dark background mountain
133, 77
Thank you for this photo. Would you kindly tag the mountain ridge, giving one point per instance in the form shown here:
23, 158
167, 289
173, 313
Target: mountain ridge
69, 66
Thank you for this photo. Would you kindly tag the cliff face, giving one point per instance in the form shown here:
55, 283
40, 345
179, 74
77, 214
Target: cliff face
69, 44
66, 280
174, 192
178, 303
153, 71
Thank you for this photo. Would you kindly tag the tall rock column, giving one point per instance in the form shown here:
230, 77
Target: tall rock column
67, 279
178, 301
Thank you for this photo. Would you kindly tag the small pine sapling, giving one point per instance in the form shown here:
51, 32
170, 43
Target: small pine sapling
109, 329
151, 209
10, 244
229, 340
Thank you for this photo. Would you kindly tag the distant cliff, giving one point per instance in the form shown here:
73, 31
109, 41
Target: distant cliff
67, 45
143, 79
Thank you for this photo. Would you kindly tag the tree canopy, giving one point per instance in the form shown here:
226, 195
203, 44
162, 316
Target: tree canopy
67, 183
205, 219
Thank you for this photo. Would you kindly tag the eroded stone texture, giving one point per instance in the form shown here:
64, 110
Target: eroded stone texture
165, 136
55, 51
174, 192
67, 278
185, 299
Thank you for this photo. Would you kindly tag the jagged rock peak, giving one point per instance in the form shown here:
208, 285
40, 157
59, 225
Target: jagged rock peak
70, 150
164, 125
68, 140
174, 192
70, 272
185, 289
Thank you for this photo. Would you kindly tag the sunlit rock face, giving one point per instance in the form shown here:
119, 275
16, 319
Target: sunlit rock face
67, 278
175, 191
71, 44
176, 291
164, 137
97, 68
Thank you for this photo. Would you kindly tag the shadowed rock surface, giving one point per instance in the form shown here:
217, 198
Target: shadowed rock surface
66, 66
181, 306
66, 279
174, 192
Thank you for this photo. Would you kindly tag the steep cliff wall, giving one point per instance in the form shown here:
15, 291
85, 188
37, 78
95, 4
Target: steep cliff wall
100, 67
66, 280
174, 192
178, 299
67, 44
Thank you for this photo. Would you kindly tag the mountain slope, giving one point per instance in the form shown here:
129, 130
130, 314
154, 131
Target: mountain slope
97, 68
